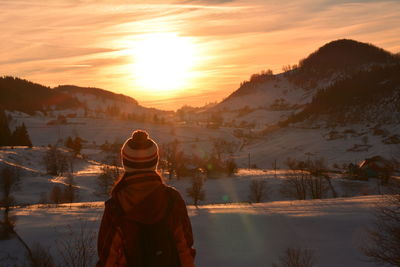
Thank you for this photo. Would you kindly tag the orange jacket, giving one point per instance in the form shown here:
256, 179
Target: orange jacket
142, 197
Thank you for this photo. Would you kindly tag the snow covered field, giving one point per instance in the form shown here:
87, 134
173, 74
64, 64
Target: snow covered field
295, 142
233, 235
228, 230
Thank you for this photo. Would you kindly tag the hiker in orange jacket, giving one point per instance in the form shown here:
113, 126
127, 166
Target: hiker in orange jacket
140, 196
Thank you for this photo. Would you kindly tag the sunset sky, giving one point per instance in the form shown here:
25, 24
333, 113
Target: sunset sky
167, 54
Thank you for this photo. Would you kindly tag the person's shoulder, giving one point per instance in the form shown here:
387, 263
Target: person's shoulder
173, 192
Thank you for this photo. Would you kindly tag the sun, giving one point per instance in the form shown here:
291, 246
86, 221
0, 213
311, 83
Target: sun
163, 62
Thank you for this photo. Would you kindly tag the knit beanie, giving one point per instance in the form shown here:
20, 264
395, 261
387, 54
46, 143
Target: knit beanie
139, 153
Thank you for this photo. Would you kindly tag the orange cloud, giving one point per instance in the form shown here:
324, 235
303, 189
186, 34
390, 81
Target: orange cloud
86, 43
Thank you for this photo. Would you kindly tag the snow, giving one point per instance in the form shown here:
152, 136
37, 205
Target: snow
236, 234
264, 94
222, 189
228, 230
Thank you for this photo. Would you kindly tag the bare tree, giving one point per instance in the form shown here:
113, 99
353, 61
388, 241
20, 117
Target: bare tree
306, 178
71, 190
383, 245
56, 195
170, 152
231, 166
41, 256
9, 181
221, 146
295, 185
77, 248
258, 191
318, 171
56, 162
296, 257
106, 179
195, 191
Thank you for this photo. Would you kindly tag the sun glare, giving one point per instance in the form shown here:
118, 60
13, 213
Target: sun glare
163, 62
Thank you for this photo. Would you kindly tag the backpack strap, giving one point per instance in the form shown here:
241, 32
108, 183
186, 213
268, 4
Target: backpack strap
170, 205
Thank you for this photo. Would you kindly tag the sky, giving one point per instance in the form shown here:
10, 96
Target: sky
166, 54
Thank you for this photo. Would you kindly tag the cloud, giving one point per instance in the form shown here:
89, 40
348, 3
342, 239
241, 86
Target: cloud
86, 42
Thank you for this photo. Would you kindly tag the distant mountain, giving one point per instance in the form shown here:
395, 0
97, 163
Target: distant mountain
99, 101
339, 57
335, 79
28, 97
21, 95
74, 90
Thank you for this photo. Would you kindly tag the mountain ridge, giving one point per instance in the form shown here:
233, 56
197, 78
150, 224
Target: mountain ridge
296, 89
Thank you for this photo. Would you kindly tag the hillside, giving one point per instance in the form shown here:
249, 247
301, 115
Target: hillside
101, 93
99, 101
28, 97
370, 95
25, 96
342, 56
332, 80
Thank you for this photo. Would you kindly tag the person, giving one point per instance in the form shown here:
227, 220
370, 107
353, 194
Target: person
140, 197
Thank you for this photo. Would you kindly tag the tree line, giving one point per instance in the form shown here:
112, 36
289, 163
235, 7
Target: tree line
18, 137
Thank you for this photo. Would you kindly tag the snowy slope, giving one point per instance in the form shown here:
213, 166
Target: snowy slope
298, 141
231, 235
265, 94
36, 184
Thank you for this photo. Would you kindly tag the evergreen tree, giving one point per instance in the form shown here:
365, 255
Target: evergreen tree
5, 133
74, 144
69, 143
77, 146
20, 136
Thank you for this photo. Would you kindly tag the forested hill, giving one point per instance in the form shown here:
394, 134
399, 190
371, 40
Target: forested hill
73, 90
341, 57
25, 96
370, 95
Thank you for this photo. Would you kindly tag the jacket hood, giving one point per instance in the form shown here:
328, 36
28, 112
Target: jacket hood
143, 197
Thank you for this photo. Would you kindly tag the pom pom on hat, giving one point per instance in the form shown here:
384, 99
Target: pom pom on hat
140, 136
139, 153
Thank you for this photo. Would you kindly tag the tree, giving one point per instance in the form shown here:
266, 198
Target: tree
78, 247
296, 257
56, 163
195, 191
318, 169
74, 144
383, 244
71, 190
41, 256
5, 133
9, 181
56, 195
306, 178
295, 185
20, 136
231, 167
258, 190
106, 179
170, 153
69, 143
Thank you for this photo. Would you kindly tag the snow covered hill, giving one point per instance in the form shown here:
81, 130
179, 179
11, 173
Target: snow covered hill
98, 101
338, 78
